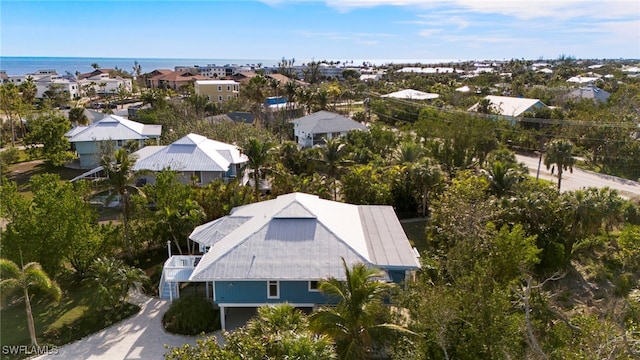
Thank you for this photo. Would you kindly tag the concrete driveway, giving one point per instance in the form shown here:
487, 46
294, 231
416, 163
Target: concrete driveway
139, 337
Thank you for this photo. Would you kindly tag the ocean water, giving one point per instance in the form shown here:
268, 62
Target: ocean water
15, 65
18, 65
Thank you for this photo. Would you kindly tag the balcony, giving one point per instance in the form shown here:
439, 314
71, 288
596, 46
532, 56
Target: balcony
179, 268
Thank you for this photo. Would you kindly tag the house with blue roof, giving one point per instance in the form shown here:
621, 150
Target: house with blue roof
277, 251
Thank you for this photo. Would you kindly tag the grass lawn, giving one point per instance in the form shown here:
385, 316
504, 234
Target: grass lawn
22, 172
57, 323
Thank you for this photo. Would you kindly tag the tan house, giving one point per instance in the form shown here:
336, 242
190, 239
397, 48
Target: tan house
172, 79
217, 90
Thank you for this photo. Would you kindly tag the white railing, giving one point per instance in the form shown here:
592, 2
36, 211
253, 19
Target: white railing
179, 268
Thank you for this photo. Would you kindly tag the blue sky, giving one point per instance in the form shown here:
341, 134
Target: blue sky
329, 29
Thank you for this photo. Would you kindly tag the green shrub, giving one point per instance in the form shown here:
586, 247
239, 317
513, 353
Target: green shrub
191, 315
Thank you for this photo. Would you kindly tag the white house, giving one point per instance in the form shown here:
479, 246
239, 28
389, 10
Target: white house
510, 106
195, 157
315, 128
411, 95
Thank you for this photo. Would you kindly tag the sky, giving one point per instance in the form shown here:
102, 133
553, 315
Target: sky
322, 29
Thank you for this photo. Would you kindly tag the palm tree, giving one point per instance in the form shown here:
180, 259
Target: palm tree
259, 153
114, 279
31, 275
559, 155
353, 322
120, 178
291, 89
502, 176
255, 92
333, 154
29, 90
429, 175
285, 333
95, 66
408, 153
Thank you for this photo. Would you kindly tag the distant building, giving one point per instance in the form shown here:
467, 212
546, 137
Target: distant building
411, 94
591, 92
510, 107
167, 79
217, 90
315, 128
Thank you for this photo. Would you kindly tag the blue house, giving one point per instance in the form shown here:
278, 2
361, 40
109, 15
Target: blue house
87, 140
278, 250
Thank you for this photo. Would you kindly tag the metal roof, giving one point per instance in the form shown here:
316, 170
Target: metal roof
326, 122
192, 153
511, 106
411, 94
114, 127
300, 236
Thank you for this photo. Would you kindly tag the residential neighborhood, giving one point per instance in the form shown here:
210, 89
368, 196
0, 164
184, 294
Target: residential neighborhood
249, 187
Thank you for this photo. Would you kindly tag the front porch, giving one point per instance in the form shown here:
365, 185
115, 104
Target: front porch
177, 269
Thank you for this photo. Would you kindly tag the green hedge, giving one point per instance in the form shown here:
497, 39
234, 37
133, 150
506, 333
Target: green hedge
191, 315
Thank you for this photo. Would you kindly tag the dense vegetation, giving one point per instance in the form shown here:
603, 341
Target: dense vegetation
512, 268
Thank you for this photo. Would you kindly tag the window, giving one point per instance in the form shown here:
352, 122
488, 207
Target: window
119, 143
273, 289
220, 98
197, 177
219, 87
313, 285
228, 87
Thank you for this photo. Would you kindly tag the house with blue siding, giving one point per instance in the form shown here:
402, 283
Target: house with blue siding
87, 141
277, 251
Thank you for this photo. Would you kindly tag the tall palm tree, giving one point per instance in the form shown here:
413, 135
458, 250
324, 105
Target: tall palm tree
255, 92
353, 322
333, 155
429, 175
259, 154
13, 278
291, 89
559, 154
120, 179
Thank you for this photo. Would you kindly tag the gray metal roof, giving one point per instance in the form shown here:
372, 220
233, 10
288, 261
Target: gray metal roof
114, 127
387, 243
300, 236
326, 122
511, 106
192, 153
591, 92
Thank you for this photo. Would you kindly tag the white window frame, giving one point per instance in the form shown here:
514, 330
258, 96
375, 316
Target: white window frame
311, 288
277, 284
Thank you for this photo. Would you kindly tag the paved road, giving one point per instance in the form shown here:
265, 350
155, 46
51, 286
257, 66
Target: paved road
582, 178
139, 337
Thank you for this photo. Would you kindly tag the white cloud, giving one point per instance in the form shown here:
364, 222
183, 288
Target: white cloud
560, 9
429, 32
